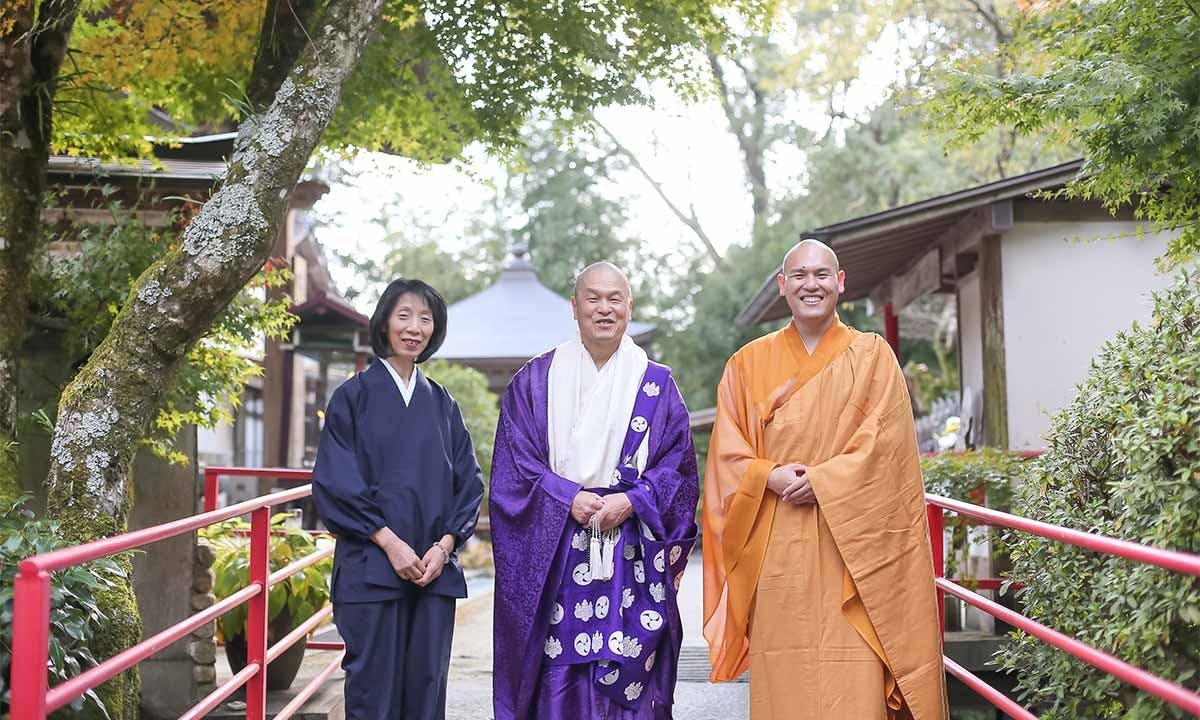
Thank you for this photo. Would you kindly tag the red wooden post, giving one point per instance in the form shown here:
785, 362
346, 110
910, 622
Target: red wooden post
936, 542
211, 488
31, 643
256, 611
891, 328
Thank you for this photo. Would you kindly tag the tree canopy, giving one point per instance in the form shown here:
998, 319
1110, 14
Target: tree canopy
436, 75
1117, 79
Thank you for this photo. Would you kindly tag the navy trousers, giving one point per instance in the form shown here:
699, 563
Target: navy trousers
397, 657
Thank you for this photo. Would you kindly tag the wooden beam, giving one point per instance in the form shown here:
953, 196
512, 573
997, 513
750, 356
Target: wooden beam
1062, 210
922, 278
918, 278
918, 274
995, 384
963, 236
1001, 215
963, 264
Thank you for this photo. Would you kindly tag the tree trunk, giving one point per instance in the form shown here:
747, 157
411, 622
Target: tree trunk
22, 180
31, 52
283, 37
107, 408
746, 112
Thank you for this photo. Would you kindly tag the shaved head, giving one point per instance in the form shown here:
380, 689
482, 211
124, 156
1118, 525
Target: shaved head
599, 270
811, 280
811, 243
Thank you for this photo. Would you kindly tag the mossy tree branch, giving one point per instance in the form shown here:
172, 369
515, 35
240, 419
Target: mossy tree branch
284, 35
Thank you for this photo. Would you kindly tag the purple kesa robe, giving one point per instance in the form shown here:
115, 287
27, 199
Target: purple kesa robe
532, 533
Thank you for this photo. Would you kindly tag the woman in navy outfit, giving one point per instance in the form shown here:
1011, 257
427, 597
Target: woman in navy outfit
396, 480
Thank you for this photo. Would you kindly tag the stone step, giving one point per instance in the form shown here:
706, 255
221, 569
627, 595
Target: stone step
694, 665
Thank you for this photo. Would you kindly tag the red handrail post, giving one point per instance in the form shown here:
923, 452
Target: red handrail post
937, 543
31, 643
256, 611
891, 328
211, 487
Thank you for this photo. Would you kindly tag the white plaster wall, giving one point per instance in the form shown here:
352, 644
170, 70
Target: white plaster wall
1067, 288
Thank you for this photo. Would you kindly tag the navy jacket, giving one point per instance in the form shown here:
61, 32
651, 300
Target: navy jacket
410, 468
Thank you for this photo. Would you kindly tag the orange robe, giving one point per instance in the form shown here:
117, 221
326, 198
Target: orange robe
831, 606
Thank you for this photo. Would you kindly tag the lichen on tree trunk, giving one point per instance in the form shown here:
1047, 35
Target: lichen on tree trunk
108, 407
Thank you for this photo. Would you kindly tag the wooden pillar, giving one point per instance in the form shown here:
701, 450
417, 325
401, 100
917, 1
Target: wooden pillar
325, 359
277, 371
287, 381
891, 328
995, 385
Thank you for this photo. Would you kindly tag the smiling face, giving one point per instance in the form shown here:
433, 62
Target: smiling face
410, 325
602, 305
811, 282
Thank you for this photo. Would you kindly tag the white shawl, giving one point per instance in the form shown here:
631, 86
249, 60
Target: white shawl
589, 410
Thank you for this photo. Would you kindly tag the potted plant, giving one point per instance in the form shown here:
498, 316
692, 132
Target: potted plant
289, 603
981, 477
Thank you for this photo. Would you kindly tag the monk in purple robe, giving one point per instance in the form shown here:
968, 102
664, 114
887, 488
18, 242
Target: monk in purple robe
593, 507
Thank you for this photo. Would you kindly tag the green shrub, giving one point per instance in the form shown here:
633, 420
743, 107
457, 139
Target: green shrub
302, 594
984, 477
961, 475
74, 614
1123, 459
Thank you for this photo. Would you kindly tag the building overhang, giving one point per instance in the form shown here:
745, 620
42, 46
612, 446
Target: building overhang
329, 309
898, 255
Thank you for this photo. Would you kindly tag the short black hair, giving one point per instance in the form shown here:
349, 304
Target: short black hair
387, 302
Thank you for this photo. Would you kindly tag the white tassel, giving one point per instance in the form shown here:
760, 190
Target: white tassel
610, 546
595, 558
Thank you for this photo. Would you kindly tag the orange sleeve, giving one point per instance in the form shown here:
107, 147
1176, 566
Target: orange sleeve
737, 523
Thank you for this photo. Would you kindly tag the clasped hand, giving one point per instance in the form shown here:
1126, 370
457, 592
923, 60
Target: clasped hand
610, 510
405, 562
791, 483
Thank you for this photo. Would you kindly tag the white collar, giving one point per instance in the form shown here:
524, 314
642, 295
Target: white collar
406, 389
588, 410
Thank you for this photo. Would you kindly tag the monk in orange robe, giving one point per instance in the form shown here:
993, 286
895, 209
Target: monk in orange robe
818, 574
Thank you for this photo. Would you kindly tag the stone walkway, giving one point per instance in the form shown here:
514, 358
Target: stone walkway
470, 690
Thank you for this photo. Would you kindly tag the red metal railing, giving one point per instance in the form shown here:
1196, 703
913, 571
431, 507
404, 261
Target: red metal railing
212, 487
33, 700
213, 475
1177, 561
